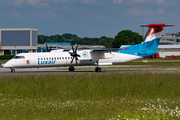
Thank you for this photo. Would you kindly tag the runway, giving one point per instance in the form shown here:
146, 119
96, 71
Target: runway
27, 71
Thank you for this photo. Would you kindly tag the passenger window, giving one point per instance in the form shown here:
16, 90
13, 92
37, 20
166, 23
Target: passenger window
65, 57
38, 58
44, 58
49, 58
52, 58
55, 58
41, 58
62, 57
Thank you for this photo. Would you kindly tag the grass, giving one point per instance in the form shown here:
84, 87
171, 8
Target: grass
153, 62
3, 60
161, 59
175, 66
91, 96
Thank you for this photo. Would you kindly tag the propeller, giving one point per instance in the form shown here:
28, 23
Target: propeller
48, 50
74, 54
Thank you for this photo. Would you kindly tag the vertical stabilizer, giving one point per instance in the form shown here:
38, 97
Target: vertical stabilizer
150, 43
153, 36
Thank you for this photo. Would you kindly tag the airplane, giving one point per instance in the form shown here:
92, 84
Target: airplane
95, 57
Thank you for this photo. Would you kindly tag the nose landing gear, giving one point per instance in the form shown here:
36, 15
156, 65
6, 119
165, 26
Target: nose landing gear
12, 70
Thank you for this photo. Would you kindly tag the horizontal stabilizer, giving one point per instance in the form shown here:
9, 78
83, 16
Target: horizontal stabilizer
157, 25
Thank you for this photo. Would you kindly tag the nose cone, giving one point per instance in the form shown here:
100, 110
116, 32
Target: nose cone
5, 65
8, 65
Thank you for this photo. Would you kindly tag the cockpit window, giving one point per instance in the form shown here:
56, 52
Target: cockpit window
18, 57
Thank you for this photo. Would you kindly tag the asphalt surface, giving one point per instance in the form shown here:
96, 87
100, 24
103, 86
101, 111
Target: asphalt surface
27, 71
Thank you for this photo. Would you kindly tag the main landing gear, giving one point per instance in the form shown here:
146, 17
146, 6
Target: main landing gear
12, 70
97, 69
71, 68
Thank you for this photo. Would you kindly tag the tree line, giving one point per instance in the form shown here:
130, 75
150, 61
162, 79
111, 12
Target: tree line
125, 37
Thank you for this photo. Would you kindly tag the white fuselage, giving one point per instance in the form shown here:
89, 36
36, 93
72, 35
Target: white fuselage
62, 59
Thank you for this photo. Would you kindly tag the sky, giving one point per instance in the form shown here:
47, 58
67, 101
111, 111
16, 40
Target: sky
88, 18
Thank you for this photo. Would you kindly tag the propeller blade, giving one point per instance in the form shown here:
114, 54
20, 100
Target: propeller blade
50, 49
76, 61
47, 47
76, 48
72, 59
72, 48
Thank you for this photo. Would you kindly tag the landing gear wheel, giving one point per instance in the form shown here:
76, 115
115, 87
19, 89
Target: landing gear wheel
12, 70
71, 68
98, 69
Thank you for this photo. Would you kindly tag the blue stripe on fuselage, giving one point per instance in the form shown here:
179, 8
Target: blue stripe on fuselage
140, 53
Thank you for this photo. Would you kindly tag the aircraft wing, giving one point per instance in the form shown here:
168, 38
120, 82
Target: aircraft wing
96, 54
105, 50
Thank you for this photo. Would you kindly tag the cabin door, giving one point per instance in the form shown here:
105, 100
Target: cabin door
32, 60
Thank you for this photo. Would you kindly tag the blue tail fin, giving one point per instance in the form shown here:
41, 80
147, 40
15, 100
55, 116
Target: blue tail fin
152, 38
150, 43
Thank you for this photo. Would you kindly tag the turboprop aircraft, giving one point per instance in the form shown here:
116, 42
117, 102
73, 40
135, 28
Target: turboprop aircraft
96, 57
